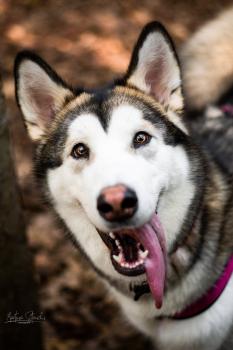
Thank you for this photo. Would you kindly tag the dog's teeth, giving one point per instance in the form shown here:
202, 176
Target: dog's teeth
142, 254
116, 258
120, 259
111, 234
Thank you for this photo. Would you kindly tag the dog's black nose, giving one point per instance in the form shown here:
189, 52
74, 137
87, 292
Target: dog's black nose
117, 203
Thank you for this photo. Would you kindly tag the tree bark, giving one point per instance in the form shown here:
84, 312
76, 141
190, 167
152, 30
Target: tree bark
18, 293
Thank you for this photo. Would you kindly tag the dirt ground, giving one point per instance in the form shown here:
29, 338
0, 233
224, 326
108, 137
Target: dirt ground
88, 43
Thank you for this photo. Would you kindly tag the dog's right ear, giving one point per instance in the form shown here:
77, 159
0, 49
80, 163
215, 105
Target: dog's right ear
40, 92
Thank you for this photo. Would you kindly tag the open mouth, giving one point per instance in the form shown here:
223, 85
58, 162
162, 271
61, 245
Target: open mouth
140, 250
127, 254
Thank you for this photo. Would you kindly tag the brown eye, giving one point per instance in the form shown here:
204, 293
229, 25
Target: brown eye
141, 139
80, 151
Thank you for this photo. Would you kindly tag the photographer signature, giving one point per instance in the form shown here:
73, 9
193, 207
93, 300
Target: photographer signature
28, 317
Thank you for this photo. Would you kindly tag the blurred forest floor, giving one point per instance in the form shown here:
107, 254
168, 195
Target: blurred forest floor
88, 43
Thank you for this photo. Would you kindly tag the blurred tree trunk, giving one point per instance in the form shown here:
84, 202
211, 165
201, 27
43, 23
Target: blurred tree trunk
18, 294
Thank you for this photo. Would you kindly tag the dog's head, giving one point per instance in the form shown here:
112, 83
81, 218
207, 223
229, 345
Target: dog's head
113, 158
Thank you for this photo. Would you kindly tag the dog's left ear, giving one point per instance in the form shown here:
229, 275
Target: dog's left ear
154, 67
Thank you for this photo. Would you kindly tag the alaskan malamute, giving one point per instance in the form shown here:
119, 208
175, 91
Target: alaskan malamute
145, 191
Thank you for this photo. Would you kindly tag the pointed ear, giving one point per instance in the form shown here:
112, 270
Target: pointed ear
154, 67
40, 92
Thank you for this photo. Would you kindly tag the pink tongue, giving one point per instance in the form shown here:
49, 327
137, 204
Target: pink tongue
151, 236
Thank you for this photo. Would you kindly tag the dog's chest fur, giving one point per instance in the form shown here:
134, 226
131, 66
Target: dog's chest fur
206, 331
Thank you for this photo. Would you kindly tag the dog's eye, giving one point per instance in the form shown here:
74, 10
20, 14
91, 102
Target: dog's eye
80, 151
141, 138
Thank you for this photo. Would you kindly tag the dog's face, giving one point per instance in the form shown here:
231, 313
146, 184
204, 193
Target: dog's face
111, 159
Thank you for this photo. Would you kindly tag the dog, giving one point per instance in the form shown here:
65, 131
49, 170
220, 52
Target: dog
144, 197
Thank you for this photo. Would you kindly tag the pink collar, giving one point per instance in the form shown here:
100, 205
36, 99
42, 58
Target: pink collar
210, 297
227, 109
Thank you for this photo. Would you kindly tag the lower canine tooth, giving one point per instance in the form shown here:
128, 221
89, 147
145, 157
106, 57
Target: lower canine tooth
116, 258
111, 234
142, 254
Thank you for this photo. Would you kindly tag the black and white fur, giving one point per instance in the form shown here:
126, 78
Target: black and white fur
170, 175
